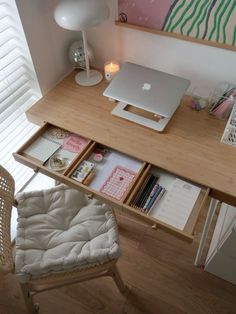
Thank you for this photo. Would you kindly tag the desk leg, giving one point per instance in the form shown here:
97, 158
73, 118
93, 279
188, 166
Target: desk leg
210, 214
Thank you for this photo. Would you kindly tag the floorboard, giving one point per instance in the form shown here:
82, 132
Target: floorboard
157, 268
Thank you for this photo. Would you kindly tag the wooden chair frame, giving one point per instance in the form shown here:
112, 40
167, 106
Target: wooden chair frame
53, 280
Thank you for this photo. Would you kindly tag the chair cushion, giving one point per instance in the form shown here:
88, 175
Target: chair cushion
60, 229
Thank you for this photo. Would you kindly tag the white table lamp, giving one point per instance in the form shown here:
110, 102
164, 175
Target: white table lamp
79, 15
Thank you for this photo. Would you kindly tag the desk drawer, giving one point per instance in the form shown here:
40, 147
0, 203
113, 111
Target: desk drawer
34, 158
52, 150
111, 167
157, 214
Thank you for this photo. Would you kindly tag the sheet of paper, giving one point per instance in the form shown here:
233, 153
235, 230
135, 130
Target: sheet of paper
118, 182
114, 159
42, 149
178, 203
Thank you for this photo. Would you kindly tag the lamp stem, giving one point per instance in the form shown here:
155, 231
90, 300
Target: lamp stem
86, 53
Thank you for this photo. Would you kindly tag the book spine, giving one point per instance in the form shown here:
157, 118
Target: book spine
158, 191
144, 191
147, 192
138, 195
151, 195
156, 201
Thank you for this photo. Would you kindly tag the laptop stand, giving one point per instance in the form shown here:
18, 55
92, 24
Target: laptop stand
120, 111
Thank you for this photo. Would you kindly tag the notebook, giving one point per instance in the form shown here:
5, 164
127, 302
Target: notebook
42, 149
177, 206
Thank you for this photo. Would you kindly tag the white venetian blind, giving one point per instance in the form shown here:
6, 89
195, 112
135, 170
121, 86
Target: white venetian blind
18, 90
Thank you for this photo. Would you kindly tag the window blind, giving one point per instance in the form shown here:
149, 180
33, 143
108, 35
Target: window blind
18, 91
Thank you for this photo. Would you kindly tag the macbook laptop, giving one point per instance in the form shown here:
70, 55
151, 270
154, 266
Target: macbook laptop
148, 89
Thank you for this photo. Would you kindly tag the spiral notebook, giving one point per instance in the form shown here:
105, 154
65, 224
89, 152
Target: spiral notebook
178, 204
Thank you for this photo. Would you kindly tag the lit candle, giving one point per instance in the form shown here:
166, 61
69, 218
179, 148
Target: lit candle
111, 68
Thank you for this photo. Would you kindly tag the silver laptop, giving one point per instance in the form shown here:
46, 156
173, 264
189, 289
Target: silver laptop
148, 89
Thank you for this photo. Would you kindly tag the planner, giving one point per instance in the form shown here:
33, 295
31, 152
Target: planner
178, 203
42, 149
118, 182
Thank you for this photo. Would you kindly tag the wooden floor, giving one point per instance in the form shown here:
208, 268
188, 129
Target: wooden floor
158, 269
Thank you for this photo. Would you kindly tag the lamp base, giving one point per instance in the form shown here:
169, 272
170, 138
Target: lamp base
82, 79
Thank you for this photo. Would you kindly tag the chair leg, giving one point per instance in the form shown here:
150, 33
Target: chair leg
118, 280
31, 309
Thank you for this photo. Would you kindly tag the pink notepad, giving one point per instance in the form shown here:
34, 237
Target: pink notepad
118, 182
74, 143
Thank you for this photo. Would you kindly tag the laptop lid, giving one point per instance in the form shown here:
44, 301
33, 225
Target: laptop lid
148, 89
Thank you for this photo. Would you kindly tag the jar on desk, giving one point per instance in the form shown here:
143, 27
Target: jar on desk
111, 68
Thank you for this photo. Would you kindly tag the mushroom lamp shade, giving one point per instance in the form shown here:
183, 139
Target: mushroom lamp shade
79, 15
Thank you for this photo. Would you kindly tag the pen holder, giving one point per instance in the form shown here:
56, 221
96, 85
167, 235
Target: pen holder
222, 100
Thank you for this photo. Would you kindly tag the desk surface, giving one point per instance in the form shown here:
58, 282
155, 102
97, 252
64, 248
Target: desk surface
190, 146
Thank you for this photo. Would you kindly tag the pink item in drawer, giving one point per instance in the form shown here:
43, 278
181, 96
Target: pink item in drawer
118, 183
74, 143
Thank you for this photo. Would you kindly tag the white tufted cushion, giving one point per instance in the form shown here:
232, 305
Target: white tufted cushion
60, 229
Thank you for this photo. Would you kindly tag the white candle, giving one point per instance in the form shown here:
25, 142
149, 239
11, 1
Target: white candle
111, 68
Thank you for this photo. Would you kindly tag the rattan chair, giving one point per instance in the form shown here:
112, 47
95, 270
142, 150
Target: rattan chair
51, 280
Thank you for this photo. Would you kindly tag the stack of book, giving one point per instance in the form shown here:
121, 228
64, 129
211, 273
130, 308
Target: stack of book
149, 194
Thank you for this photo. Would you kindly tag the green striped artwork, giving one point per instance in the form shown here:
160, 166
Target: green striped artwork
210, 20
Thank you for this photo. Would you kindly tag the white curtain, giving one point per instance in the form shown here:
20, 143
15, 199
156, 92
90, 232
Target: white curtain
18, 91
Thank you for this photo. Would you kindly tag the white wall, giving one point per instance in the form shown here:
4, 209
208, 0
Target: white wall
203, 65
48, 43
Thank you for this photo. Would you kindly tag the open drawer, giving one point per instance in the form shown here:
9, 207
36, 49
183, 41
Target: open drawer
52, 150
105, 174
111, 179
166, 201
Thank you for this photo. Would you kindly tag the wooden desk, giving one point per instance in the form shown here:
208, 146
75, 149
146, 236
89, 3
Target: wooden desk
190, 146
